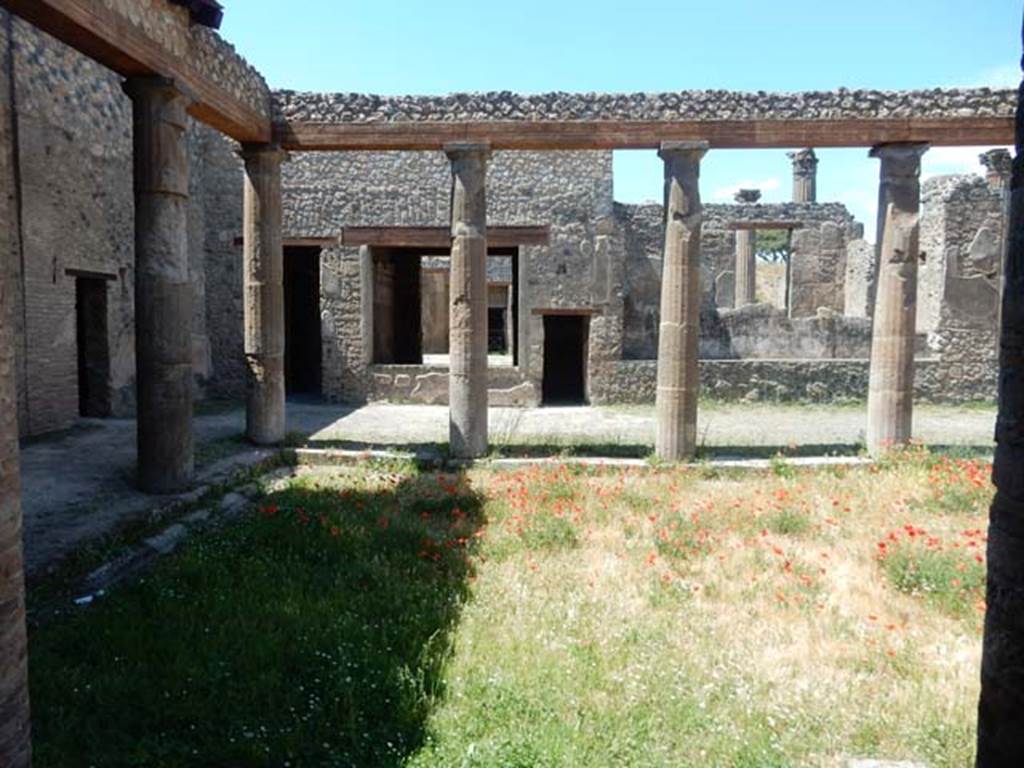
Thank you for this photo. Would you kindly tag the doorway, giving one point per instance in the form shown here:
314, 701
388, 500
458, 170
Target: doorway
93, 347
565, 360
302, 349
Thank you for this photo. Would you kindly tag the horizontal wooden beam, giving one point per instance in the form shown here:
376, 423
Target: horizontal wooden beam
566, 312
115, 42
439, 237
765, 224
617, 134
302, 242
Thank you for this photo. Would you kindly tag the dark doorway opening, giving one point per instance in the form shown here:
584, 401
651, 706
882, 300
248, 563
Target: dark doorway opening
496, 324
302, 348
93, 346
565, 360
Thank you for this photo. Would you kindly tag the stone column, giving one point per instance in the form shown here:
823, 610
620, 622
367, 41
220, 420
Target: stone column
746, 266
679, 331
467, 337
805, 176
891, 385
263, 276
163, 306
998, 167
1001, 709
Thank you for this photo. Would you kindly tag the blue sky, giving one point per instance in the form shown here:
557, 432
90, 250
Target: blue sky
536, 45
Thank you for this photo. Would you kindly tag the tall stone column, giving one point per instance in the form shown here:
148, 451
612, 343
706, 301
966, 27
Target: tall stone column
163, 293
15, 747
746, 265
805, 176
679, 331
263, 274
467, 337
1001, 709
891, 383
998, 167
746, 268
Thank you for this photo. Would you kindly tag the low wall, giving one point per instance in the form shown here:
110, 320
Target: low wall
821, 380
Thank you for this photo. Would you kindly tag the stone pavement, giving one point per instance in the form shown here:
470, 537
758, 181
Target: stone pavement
79, 484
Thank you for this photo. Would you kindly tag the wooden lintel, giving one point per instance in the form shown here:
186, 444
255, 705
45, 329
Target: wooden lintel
302, 242
91, 274
566, 311
109, 38
439, 237
615, 134
765, 224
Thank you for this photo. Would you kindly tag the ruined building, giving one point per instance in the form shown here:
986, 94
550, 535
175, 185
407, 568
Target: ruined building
574, 278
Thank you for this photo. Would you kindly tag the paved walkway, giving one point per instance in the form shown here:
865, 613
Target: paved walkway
79, 484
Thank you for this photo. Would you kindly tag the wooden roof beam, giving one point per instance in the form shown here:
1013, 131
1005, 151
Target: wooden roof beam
619, 134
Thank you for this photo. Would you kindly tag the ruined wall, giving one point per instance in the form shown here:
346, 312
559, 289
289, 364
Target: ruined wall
74, 161
818, 262
962, 226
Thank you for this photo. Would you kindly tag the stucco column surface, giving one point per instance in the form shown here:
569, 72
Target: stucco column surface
467, 338
679, 329
746, 268
1001, 708
163, 293
891, 382
263, 268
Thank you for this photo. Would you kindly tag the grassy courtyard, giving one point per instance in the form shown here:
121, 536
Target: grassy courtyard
552, 616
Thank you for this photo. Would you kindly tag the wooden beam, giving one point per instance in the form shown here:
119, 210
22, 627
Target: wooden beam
439, 237
111, 39
618, 134
566, 312
765, 224
301, 242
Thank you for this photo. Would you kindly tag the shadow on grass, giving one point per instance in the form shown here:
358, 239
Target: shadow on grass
432, 452
313, 631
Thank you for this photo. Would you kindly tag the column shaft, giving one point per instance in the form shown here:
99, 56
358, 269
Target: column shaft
891, 384
263, 267
163, 293
1001, 708
746, 268
805, 176
679, 330
467, 338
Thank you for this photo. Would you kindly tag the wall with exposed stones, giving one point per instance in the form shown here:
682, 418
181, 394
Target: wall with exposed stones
293, 106
818, 262
73, 152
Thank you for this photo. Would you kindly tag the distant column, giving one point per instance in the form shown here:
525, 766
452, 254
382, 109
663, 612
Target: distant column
467, 338
805, 176
891, 386
998, 166
746, 265
163, 291
678, 377
263, 275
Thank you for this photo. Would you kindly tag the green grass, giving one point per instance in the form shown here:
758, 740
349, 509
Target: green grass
552, 616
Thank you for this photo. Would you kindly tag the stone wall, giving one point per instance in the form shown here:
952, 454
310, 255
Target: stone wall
820, 380
685, 105
73, 151
962, 228
568, 191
